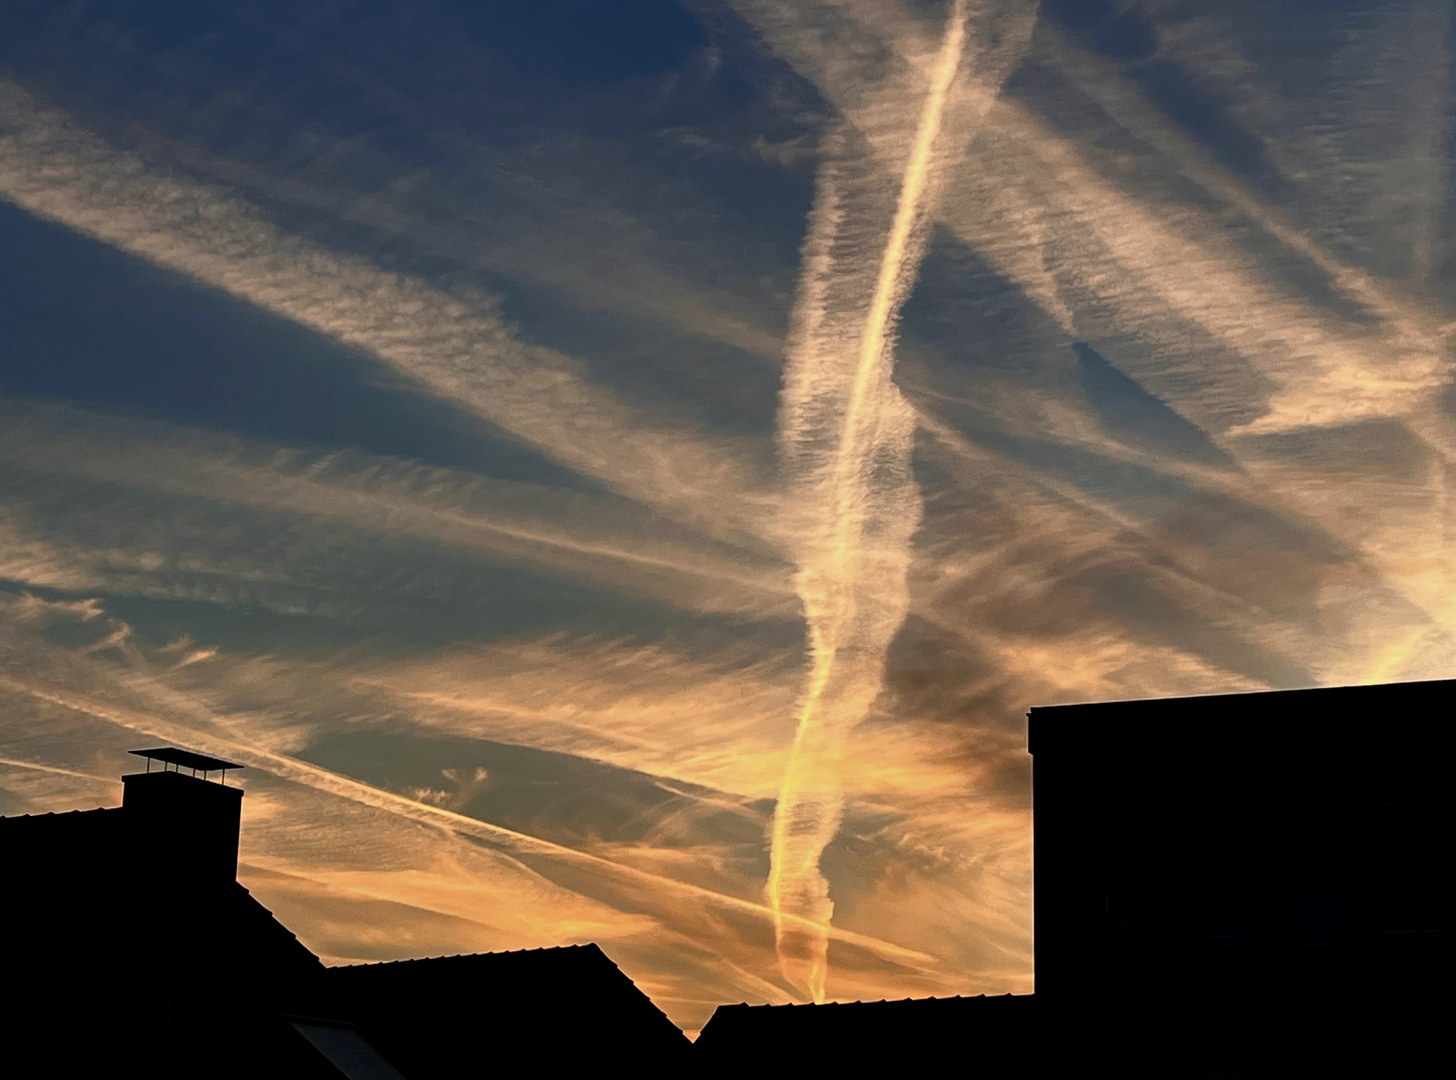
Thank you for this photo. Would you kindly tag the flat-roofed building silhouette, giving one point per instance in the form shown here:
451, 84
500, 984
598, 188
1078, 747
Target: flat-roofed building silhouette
1242, 885
1246, 884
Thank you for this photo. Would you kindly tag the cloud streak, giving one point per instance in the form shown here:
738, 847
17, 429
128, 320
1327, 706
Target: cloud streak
1213, 334
460, 351
1170, 400
595, 538
323, 780
848, 437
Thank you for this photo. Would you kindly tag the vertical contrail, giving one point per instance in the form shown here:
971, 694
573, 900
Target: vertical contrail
847, 439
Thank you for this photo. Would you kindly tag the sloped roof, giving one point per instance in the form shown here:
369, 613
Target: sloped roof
100, 818
65, 843
436, 1017
118, 947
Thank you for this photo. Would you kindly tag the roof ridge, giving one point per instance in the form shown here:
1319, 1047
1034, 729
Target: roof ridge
471, 956
880, 1001
58, 813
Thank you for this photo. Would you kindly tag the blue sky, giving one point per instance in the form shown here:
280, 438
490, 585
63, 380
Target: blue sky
622, 472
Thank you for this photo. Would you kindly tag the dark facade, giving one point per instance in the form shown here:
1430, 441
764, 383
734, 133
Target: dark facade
130, 948
1247, 884
1244, 885
989, 1036
574, 1009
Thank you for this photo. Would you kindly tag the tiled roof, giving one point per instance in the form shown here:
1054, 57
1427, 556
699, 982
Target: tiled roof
564, 977
85, 827
861, 1037
65, 815
881, 1001
486, 957
930, 1010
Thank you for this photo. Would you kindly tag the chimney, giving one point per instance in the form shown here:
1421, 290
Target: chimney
187, 822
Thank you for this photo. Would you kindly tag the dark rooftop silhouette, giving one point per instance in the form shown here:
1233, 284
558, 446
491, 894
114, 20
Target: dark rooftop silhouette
1246, 885
886, 1038
1236, 885
130, 946
1333, 719
575, 1007
186, 759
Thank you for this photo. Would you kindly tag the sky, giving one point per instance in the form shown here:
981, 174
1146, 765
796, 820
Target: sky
621, 472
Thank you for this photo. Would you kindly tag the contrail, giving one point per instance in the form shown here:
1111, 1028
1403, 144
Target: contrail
513, 842
847, 437
55, 770
514, 522
1044, 217
459, 350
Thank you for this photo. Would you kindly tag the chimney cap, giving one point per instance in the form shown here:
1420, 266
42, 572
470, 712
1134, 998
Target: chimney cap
185, 759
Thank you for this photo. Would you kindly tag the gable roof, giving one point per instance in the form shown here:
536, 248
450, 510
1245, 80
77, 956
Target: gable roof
437, 1017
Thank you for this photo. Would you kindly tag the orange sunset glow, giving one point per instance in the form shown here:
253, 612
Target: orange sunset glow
620, 474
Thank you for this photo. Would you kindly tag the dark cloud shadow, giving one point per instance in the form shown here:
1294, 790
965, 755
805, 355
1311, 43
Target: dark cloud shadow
85, 323
1124, 33
1137, 416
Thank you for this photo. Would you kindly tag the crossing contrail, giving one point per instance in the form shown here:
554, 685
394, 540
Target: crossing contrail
847, 437
458, 349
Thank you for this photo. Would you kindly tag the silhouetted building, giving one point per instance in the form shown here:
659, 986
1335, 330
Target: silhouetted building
1246, 884
1243, 885
573, 1010
987, 1036
129, 948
